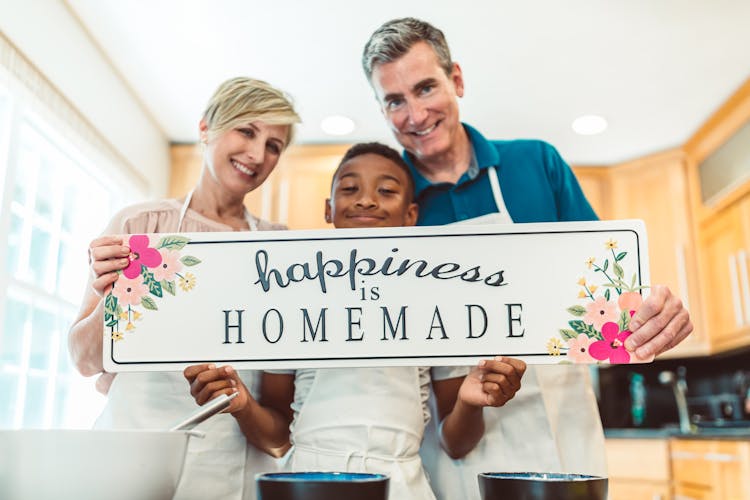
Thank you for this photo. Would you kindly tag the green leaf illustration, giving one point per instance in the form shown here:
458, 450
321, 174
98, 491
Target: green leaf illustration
189, 260
168, 286
576, 310
581, 327
620, 256
567, 334
112, 323
154, 287
607, 294
148, 303
624, 321
618, 270
110, 305
606, 265
173, 242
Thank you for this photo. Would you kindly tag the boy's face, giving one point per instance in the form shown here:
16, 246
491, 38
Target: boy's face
371, 191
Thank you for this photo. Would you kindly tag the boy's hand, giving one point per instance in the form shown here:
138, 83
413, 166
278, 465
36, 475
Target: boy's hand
493, 382
207, 382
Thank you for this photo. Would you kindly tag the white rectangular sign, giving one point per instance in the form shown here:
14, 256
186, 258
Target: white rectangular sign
425, 296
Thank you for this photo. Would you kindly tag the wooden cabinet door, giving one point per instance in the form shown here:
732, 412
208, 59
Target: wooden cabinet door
711, 469
655, 189
724, 244
620, 489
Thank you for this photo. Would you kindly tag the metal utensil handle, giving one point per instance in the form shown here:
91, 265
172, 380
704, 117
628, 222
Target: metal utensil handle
211, 408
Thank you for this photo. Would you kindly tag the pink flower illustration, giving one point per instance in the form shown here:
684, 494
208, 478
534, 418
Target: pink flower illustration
170, 264
129, 291
578, 349
140, 254
599, 312
612, 347
630, 301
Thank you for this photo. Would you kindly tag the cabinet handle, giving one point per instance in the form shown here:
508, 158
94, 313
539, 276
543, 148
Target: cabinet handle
734, 281
720, 457
682, 281
742, 262
685, 455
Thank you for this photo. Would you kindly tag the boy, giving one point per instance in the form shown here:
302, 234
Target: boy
364, 419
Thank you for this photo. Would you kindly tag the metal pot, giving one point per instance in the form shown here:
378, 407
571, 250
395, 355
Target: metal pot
541, 486
321, 486
82, 464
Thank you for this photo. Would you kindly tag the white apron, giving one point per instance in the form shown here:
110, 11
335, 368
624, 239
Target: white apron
364, 420
218, 466
551, 425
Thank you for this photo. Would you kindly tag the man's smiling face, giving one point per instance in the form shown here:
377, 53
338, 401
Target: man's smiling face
420, 101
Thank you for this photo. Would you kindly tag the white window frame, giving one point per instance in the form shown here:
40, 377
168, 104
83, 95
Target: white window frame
25, 109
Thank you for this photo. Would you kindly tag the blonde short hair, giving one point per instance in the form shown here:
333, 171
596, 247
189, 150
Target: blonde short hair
240, 100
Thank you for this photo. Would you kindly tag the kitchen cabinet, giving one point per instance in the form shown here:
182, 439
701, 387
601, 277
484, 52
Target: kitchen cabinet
680, 468
656, 189
725, 246
595, 184
711, 470
639, 469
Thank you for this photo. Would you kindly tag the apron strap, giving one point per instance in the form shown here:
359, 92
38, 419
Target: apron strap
496, 193
252, 223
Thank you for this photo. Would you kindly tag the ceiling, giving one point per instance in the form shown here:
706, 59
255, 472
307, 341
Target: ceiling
655, 69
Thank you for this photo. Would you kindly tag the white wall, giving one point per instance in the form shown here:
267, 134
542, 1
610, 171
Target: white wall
50, 36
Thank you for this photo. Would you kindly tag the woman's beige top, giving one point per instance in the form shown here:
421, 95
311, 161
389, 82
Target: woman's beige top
162, 216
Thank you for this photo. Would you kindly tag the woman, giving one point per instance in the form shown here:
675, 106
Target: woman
244, 129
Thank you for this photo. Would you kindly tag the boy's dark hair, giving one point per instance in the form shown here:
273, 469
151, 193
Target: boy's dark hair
379, 149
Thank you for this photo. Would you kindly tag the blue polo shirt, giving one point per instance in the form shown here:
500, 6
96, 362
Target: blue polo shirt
536, 183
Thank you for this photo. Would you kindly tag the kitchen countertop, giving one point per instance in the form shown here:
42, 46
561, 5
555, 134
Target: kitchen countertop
713, 433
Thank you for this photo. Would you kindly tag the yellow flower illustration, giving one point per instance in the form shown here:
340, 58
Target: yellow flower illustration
136, 315
592, 288
553, 346
582, 281
187, 282
610, 244
590, 262
116, 336
130, 326
582, 294
124, 315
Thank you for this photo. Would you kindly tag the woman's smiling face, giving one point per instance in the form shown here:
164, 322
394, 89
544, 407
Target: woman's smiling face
243, 157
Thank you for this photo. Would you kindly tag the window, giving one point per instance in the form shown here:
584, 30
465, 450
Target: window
54, 201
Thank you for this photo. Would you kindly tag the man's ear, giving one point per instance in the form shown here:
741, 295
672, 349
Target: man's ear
412, 213
328, 211
457, 78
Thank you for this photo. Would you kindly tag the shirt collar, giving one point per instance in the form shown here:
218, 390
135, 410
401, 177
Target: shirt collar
485, 155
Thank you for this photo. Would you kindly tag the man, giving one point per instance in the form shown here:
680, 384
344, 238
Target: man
553, 423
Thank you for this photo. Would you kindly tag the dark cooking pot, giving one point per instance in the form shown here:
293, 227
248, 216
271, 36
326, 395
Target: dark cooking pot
321, 486
541, 486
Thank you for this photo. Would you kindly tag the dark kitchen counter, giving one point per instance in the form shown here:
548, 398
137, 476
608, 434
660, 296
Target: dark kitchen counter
713, 433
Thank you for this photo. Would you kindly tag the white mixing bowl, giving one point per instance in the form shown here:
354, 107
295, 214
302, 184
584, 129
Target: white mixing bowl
90, 464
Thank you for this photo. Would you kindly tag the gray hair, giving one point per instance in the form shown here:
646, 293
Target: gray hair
396, 37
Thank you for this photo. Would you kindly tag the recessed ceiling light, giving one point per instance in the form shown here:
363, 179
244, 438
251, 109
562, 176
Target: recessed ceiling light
337, 125
589, 125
